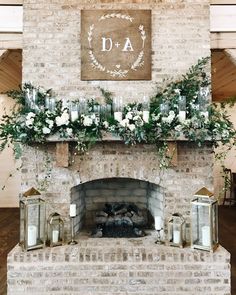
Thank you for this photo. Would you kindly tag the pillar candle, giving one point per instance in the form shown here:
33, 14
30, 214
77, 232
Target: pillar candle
55, 236
118, 116
176, 236
146, 116
74, 115
158, 222
206, 236
32, 235
72, 210
182, 116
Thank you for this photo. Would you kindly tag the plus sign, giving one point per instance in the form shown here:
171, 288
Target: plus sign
117, 44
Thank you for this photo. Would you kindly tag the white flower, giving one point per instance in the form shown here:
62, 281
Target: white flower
30, 115
88, 121
29, 122
131, 127
170, 118
105, 124
69, 131
129, 115
177, 91
50, 123
225, 133
46, 130
172, 114
155, 117
136, 118
187, 122
178, 128
93, 116
124, 122
63, 119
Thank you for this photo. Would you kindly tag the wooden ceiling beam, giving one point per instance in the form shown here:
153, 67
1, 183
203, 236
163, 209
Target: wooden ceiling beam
223, 40
223, 2
11, 2
11, 41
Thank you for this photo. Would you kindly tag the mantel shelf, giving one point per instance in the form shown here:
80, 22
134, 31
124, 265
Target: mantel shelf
62, 147
106, 137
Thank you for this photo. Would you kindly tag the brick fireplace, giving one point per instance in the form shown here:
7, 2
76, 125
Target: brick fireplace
111, 171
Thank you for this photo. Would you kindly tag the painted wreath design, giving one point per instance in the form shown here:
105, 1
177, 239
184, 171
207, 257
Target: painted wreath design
116, 15
117, 71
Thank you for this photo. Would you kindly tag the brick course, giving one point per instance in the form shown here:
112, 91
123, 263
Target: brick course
118, 266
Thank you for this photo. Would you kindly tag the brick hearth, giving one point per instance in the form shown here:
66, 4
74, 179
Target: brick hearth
118, 267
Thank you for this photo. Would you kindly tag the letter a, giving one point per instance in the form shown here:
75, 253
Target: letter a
104, 42
128, 45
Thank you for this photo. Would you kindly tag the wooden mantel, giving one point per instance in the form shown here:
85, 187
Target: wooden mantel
63, 150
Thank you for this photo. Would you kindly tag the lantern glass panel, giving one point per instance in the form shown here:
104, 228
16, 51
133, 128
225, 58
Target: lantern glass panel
176, 229
22, 222
55, 229
32, 228
201, 223
215, 223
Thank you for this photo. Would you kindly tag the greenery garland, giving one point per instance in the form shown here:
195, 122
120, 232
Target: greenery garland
27, 125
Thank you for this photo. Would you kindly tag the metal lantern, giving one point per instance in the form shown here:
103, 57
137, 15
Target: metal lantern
32, 220
176, 230
204, 221
55, 230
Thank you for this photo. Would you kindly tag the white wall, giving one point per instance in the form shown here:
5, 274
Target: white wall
8, 165
230, 161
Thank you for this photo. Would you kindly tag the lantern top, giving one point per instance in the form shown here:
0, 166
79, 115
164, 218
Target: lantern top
203, 193
53, 217
176, 216
31, 192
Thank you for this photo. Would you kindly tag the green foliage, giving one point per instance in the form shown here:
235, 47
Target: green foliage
26, 124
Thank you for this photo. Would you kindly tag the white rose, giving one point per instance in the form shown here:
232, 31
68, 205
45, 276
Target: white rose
178, 128
106, 124
87, 121
124, 122
131, 127
136, 118
50, 123
177, 91
172, 114
129, 115
59, 121
30, 115
225, 133
69, 131
46, 130
29, 122
63, 119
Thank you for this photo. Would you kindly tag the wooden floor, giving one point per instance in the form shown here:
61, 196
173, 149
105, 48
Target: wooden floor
9, 237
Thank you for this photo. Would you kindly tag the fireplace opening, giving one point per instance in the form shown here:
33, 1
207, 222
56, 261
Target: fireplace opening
121, 220
117, 207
